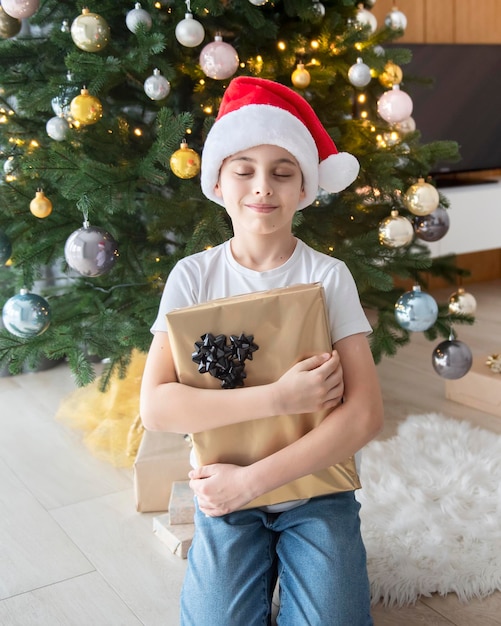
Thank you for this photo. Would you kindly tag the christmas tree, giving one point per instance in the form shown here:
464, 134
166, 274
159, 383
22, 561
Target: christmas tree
104, 109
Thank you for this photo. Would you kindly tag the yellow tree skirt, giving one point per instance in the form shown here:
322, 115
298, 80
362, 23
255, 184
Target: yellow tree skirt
109, 420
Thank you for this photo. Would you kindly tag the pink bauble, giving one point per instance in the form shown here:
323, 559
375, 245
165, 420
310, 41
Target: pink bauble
218, 59
395, 106
20, 8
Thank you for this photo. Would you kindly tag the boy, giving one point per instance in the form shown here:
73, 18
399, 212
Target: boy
263, 159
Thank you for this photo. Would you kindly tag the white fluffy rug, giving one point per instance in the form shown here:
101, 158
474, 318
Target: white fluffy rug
431, 511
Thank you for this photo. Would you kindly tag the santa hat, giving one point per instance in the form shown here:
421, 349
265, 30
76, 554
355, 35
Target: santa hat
254, 112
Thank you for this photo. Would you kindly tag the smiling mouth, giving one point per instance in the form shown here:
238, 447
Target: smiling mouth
262, 208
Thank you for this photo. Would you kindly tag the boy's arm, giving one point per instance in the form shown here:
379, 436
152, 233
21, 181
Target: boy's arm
165, 404
224, 488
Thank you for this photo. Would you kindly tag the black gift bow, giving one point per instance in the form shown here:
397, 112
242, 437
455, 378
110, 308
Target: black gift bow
224, 362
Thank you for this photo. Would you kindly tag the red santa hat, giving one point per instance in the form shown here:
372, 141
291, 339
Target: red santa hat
255, 112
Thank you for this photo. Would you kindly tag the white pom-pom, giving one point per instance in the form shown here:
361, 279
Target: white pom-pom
338, 171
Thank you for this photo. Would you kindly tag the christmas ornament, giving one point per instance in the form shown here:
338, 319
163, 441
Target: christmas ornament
41, 206
318, 9
20, 9
395, 105
156, 86
65, 26
258, 3
407, 126
26, 315
359, 74
90, 251
138, 16
189, 32
452, 359
391, 75
421, 198
395, 231
57, 128
462, 303
185, 162
9, 26
10, 166
494, 362
365, 18
61, 102
300, 77
5, 248
396, 20
90, 32
415, 310
218, 59
432, 227
86, 109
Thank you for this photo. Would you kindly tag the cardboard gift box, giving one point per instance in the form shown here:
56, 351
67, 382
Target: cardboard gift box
162, 459
480, 388
274, 329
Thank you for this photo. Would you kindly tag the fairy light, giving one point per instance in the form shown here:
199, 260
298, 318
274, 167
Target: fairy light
207, 109
281, 46
314, 44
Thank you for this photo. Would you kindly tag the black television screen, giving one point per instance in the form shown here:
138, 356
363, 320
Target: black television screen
463, 104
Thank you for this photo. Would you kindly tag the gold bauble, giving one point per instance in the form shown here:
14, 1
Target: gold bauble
185, 162
421, 198
9, 26
41, 206
300, 77
90, 31
86, 109
391, 75
395, 231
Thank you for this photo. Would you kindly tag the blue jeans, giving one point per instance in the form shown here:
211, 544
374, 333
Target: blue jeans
315, 549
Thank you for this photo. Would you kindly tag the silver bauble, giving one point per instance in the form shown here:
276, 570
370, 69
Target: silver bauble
452, 359
156, 86
91, 251
189, 32
26, 315
57, 128
395, 231
359, 74
396, 20
462, 303
433, 226
138, 16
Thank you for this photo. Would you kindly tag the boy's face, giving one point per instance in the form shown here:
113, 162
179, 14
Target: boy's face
261, 188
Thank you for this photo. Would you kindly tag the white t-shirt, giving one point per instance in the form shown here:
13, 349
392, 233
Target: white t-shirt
214, 273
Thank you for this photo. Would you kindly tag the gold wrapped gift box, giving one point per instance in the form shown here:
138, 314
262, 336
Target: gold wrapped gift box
287, 325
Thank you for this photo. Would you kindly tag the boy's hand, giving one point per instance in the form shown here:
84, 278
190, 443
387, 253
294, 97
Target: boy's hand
220, 488
311, 385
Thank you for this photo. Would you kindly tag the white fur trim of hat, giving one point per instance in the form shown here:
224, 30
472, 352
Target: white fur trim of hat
256, 111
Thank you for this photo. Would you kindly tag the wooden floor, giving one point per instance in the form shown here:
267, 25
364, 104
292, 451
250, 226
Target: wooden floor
73, 550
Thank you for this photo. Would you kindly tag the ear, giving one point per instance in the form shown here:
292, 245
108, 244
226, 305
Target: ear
217, 190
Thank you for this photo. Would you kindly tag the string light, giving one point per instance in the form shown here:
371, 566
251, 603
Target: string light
281, 46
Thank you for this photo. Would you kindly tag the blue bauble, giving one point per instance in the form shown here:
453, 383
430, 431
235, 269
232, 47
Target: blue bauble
26, 315
452, 359
5, 248
433, 226
415, 310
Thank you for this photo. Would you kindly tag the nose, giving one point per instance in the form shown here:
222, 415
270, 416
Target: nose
262, 185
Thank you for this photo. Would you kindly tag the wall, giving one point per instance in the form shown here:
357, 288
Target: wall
467, 22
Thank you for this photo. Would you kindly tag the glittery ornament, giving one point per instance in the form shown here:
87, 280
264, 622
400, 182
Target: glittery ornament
462, 303
41, 206
185, 162
415, 310
156, 86
20, 9
26, 315
91, 251
300, 77
395, 231
432, 227
90, 32
395, 105
136, 17
421, 198
359, 74
219, 60
9, 26
86, 109
452, 359
57, 128
391, 75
